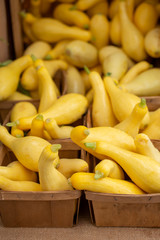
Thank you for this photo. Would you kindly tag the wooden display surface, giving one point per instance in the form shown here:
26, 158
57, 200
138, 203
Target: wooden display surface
40, 209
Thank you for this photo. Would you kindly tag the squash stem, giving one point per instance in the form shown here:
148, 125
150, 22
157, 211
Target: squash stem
142, 103
87, 69
86, 132
91, 145
55, 147
39, 117
98, 174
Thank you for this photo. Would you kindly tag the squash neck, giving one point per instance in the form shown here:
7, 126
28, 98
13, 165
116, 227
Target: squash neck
6, 138
20, 64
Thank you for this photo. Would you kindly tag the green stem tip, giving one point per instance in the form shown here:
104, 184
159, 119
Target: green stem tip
48, 57
3, 64
142, 103
86, 26
86, 132
11, 124
34, 58
74, 7
108, 74
22, 14
55, 147
39, 117
91, 145
98, 174
87, 69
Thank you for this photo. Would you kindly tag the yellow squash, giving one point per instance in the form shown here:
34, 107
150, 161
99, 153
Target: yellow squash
16, 96
153, 129
99, 28
65, 110
151, 42
98, 8
116, 64
7, 184
122, 101
80, 53
101, 103
145, 84
77, 135
35, 7
132, 39
10, 74
16, 132
37, 126
57, 50
145, 146
135, 71
74, 81
17, 172
86, 181
132, 123
38, 49
52, 30
145, 16
67, 14
22, 109
50, 178
108, 168
46, 88
69, 166
86, 4
110, 135
56, 131
115, 30
26, 149
143, 170
29, 79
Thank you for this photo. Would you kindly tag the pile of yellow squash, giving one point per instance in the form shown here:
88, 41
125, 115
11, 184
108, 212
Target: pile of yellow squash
107, 52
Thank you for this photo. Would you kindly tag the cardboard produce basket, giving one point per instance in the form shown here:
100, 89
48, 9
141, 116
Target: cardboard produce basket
40, 209
120, 210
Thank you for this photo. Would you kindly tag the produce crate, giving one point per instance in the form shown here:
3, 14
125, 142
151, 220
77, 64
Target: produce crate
40, 209
120, 210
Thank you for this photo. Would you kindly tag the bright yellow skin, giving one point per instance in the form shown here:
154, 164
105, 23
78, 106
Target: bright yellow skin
51, 31
143, 170
80, 54
86, 181
78, 18
78, 135
37, 127
145, 146
9, 185
17, 172
16, 132
153, 129
26, 149
151, 42
29, 78
145, 84
74, 81
22, 109
99, 28
101, 103
122, 101
116, 64
132, 39
38, 49
99, 8
56, 131
86, 4
57, 50
132, 123
16, 96
10, 74
154, 115
115, 30
70, 166
108, 168
110, 135
47, 90
50, 178
145, 17
65, 110
134, 71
